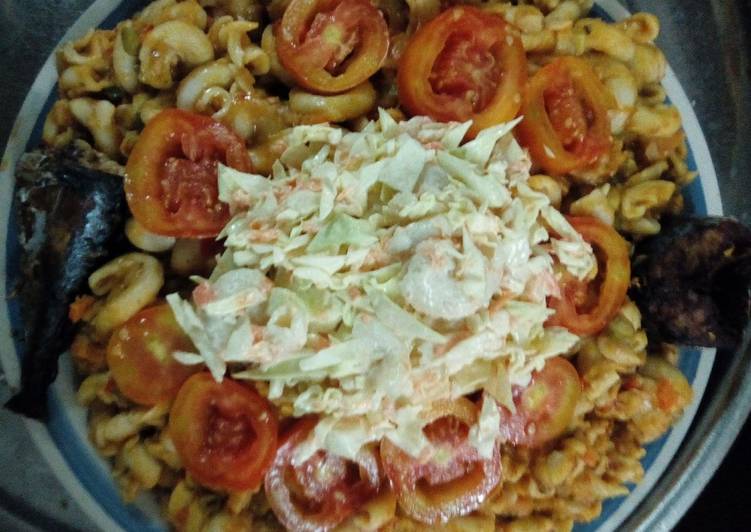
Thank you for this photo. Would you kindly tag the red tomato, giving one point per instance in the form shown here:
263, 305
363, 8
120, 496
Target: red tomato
139, 355
331, 46
464, 64
171, 175
566, 125
322, 491
544, 408
225, 433
455, 479
586, 308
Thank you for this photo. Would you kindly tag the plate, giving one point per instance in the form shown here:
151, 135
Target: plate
63, 440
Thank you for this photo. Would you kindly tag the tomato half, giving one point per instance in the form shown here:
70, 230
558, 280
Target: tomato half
464, 64
566, 125
225, 433
171, 175
586, 308
455, 480
322, 491
544, 408
139, 355
331, 46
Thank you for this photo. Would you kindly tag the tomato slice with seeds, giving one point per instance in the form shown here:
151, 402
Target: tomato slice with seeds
454, 480
139, 356
171, 176
322, 491
544, 408
587, 308
566, 125
330, 46
225, 433
465, 64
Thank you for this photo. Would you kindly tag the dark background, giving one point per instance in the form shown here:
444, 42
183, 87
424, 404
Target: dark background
725, 504
706, 42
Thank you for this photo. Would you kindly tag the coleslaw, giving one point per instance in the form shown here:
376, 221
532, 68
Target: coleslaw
377, 272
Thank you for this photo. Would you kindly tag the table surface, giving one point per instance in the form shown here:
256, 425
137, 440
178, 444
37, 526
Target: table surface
31, 498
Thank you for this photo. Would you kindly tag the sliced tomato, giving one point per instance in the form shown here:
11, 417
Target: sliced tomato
465, 64
322, 491
225, 433
330, 46
544, 408
566, 125
171, 175
139, 355
586, 308
454, 480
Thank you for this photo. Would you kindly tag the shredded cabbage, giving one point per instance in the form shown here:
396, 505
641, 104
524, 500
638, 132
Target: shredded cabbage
378, 271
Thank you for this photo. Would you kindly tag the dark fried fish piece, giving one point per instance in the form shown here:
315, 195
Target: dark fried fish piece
692, 281
71, 221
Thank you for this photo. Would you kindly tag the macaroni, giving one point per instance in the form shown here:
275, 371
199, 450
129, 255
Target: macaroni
129, 282
169, 44
219, 58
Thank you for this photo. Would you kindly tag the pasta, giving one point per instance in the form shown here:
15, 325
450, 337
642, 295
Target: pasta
215, 76
145, 240
129, 282
220, 59
313, 108
169, 44
99, 118
231, 36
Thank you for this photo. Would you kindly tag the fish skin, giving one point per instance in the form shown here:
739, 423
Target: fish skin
691, 282
72, 221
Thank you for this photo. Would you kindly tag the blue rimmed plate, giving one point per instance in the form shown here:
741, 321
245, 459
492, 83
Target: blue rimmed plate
63, 440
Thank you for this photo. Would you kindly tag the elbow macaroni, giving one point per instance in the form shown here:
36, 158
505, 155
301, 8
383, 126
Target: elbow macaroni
231, 36
98, 117
315, 108
127, 284
268, 43
169, 44
218, 74
209, 56
125, 57
244, 9
188, 11
145, 240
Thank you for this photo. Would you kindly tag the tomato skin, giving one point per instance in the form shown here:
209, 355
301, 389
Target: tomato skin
438, 71
316, 35
171, 175
612, 290
139, 356
545, 407
225, 433
456, 480
321, 492
566, 125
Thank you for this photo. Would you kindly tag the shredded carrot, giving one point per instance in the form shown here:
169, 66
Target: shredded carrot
668, 398
590, 457
80, 307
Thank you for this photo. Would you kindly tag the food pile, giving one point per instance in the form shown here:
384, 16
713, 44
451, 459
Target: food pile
378, 260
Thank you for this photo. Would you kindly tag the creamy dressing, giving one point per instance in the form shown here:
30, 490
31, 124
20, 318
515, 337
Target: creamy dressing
379, 271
